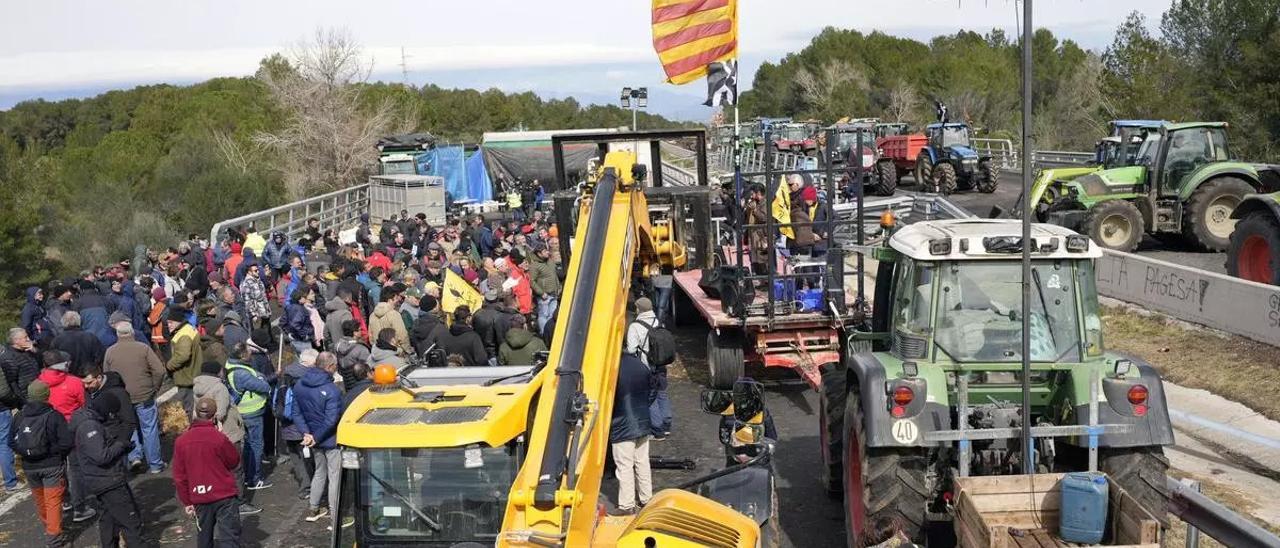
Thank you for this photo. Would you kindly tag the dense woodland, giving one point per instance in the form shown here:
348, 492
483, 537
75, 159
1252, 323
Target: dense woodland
1208, 60
83, 181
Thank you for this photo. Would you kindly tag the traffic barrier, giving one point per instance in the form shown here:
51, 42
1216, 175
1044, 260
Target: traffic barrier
1240, 307
339, 209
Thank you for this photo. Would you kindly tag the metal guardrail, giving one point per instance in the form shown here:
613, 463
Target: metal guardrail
753, 160
1214, 519
908, 207
339, 209
1001, 151
675, 175
1061, 158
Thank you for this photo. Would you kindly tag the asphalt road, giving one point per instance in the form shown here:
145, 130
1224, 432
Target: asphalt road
1169, 247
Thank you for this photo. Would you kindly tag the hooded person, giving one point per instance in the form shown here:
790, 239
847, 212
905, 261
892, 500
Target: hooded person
232, 264
385, 350
94, 309
57, 303
350, 352
276, 254
101, 460
486, 324
301, 467
385, 316
520, 346
337, 312
34, 318
243, 268
429, 329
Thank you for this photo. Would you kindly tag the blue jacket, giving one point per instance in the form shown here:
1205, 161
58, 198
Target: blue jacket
631, 401
275, 254
319, 402
94, 310
33, 316
249, 260
297, 322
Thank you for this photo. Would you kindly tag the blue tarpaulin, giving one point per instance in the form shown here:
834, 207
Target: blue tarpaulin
447, 162
479, 187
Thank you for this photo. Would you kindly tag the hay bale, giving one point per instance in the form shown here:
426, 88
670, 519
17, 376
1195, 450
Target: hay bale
173, 418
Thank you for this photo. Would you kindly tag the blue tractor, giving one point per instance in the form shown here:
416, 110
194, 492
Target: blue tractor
948, 161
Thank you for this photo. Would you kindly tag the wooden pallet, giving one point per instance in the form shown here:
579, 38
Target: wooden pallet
1022, 512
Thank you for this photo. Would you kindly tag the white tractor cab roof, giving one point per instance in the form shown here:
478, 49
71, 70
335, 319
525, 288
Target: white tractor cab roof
988, 239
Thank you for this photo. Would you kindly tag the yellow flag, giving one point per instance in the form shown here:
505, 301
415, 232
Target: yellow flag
782, 209
457, 292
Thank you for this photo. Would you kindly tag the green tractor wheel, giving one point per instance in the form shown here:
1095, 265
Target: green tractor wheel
884, 180
1254, 254
885, 488
1207, 215
1141, 472
924, 173
1115, 224
944, 178
988, 177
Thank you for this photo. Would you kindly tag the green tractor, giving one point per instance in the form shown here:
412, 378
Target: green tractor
931, 389
1181, 179
1118, 149
1254, 253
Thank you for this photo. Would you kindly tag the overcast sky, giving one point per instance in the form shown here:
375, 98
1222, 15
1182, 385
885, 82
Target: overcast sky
587, 48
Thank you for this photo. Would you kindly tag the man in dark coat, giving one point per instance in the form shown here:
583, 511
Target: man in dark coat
20, 363
34, 320
84, 347
463, 340
124, 424
485, 322
101, 458
94, 308
429, 329
629, 432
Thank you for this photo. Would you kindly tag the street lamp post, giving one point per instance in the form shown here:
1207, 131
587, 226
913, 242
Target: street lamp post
641, 96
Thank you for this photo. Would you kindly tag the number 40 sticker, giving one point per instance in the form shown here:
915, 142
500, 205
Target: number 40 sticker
905, 432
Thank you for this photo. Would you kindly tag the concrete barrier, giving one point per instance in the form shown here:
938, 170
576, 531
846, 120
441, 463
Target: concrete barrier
1241, 307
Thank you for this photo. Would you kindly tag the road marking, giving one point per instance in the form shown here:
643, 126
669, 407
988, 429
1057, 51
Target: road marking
13, 501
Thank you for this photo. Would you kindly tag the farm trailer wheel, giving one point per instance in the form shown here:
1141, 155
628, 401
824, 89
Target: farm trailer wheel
724, 358
885, 179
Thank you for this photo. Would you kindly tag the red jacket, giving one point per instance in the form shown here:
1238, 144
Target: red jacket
378, 259
66, 391
203, 459
523, 290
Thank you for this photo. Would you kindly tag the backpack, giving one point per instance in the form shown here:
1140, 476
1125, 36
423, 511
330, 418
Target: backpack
283, 401
659, 348
30, 438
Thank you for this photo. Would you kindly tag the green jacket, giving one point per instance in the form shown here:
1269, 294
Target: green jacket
185, 361
519, 347
542, 276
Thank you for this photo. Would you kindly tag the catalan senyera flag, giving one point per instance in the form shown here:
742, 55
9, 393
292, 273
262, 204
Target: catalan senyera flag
691, 34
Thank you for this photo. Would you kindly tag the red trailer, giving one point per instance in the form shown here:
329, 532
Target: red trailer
903, 150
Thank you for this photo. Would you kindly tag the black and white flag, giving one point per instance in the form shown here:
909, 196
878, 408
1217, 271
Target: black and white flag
722, 83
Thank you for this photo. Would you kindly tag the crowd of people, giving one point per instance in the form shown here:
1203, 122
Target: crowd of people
262, 341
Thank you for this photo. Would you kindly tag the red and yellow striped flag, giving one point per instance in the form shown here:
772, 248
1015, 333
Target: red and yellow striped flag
690, 34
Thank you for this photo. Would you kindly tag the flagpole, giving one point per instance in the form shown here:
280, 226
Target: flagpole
737, 168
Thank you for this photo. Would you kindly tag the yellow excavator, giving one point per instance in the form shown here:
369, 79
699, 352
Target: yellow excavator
515, 456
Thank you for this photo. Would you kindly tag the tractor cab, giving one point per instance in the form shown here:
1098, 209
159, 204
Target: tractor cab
1120, 148
1182, 150
957, 296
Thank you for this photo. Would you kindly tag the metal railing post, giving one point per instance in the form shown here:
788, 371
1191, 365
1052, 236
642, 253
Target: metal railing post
1193, 534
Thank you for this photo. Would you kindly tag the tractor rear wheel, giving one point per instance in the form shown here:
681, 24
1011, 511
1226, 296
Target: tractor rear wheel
724, 359
831, 426
885, 179
1206, 219
988, 177
924, 173
885, 489
1254, 254
1140, 471
1115, 224
944, 178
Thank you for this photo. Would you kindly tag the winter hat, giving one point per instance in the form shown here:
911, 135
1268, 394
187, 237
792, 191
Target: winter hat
105, 406
177, 314
643, 304
158, 294
427, 303
56, 360
516, 257
236, 248
809, 194
217, 277
118, 317
38, 391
